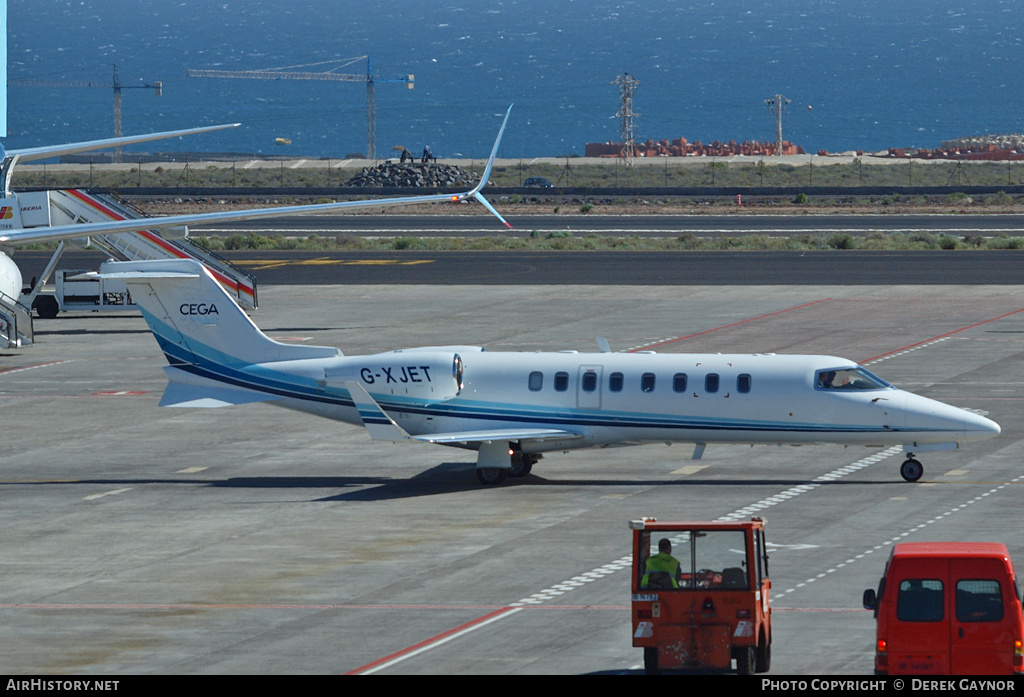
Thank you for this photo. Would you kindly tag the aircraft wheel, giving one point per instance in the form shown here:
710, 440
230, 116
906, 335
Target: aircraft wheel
491, 476
522, 464
911, 469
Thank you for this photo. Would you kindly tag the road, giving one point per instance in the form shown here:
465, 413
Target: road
643, 225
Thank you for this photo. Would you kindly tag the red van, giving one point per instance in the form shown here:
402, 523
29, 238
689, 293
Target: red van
948, 608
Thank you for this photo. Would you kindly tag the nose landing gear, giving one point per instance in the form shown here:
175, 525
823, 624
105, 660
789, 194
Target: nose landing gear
911, 469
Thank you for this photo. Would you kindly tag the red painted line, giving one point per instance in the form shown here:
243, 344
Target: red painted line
6, 371
941, 336
286, 606
432, 640
728, 326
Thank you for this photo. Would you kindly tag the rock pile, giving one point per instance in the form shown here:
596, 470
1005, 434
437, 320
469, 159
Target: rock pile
417, 174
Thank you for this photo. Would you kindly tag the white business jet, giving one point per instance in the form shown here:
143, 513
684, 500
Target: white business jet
512, 407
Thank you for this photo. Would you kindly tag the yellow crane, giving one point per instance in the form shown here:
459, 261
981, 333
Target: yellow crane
157, 87
288, 73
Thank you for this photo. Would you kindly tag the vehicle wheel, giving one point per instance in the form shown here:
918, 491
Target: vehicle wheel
522, 464
491, 476
745, 660
651, 661
764, 657
46, 306
911, 470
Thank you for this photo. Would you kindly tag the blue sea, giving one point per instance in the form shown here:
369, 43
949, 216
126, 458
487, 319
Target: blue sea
858, 74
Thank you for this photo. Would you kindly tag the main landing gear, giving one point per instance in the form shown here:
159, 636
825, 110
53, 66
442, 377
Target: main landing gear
911, 469
522, 465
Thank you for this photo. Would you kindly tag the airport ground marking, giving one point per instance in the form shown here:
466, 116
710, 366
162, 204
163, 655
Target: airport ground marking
11, 371
903, 535
557, 590
433, 642
935, 339
663, 342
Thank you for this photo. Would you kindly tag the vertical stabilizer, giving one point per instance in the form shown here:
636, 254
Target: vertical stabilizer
195, 321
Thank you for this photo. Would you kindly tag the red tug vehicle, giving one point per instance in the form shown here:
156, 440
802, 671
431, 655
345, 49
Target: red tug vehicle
700, 595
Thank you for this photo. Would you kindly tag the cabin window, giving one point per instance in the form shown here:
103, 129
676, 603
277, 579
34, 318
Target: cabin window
615, 381
711, 383
647, 382
536, 381
743, 383
848, 379
679, 382
561, 381
589, 381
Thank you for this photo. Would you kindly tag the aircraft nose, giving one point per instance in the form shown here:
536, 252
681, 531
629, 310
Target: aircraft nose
929, 415
977, 426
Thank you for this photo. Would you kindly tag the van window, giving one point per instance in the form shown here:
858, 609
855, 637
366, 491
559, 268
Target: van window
615, 381
561, 381
589, 382
679, 382
647, 382
711, 383
979, 601
920, 600
536, 381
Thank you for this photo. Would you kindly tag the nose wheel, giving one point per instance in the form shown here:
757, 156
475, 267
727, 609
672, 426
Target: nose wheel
911, 469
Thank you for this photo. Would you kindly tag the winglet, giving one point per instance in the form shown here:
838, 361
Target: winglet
475, 192
378, 424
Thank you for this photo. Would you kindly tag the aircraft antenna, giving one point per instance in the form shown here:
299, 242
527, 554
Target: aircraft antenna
286, 73
777, 105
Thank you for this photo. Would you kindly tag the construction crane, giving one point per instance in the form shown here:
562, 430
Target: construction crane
287, 73
157, 87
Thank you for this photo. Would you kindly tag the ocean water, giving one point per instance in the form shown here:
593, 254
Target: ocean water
865, 74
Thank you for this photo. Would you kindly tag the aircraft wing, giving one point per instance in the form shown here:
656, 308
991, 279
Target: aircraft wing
497, 434
382, 427
45, 151
62, 232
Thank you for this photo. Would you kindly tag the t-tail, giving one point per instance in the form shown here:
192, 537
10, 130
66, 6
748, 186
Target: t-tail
213, 348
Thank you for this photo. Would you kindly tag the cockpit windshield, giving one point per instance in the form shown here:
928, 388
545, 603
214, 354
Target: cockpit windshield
856, 378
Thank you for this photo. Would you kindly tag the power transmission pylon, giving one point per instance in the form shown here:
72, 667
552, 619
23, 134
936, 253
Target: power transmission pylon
286, 74
626, 116
777, 105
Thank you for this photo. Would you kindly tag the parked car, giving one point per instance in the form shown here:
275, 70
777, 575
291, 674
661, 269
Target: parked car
538, 181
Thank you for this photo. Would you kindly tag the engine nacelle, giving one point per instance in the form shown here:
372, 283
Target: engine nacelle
429, 375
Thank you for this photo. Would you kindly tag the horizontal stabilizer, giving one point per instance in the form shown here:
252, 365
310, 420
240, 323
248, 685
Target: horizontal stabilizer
188, 390
510, 434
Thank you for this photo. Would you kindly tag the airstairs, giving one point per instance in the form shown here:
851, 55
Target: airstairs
71, 206
78, 206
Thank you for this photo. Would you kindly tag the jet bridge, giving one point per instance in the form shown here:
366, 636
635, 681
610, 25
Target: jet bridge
68, 206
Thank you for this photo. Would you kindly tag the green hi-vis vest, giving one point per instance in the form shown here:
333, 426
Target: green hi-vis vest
661, 562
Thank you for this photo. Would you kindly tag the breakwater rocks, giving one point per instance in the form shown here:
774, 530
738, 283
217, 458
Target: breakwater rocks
430, 175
